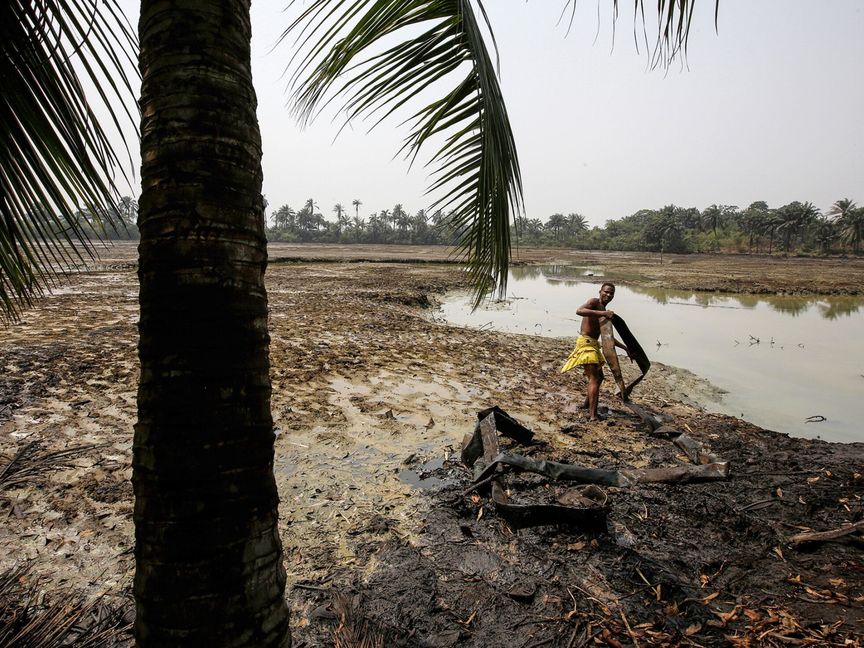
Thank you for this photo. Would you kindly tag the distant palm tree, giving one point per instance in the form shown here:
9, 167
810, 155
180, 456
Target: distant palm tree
358, 225
850, 221
356, 204
753, 222
794, 219
556, 223
841, 208
576, 224
716, 216
283, 218
664, 231
401, 218
852, 228
311, 205
384, 216
533, 227
711, 218
824, 233
769, 227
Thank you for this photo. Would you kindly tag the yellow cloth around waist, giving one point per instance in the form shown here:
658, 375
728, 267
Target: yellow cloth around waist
587, 351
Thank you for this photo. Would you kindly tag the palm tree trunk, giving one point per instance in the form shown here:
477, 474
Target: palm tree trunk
208, 554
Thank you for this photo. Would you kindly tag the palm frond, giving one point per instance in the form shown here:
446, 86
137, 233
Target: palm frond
673, 17
56, 160
342, 53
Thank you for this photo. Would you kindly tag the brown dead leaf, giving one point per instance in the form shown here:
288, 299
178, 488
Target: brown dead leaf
726, 617
576, 546
753, 615
703, 579
693, 629
779, 492
825, 594
813, 480
709, 598
779, 553
837, 582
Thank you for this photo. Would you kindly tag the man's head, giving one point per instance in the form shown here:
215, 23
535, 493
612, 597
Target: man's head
607, 292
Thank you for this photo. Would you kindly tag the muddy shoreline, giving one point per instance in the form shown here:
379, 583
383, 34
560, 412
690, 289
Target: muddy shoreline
371, 394
736, 273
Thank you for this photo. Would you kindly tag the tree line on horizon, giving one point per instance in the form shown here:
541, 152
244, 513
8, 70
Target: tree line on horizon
794, 228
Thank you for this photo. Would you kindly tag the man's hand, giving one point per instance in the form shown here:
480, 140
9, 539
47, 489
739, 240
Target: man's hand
610, 314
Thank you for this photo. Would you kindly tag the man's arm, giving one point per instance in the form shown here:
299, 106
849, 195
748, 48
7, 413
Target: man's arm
593, 308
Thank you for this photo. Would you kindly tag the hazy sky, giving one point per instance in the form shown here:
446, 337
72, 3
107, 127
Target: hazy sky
768, 109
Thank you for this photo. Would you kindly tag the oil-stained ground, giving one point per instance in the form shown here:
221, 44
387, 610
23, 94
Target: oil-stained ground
371, 399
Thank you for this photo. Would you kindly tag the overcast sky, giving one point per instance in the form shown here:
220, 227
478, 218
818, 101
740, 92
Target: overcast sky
768, 109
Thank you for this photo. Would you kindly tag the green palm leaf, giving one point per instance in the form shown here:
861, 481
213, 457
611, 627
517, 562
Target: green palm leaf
55, 159
477, 168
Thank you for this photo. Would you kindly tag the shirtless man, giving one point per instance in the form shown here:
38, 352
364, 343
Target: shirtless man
587, 353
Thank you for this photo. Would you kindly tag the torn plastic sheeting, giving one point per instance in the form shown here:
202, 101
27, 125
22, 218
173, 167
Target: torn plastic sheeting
507, 425
501, 422
555, 470
619, 478
518, 516
690, 446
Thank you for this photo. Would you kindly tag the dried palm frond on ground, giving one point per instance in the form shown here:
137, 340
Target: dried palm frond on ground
31, 619
354, 631
31, 461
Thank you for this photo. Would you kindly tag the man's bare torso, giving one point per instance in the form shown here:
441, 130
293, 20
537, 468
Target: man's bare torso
591, 323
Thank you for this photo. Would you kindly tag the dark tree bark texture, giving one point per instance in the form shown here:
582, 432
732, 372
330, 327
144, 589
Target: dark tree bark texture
208, 555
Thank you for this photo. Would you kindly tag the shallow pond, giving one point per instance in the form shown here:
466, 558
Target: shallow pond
781, 359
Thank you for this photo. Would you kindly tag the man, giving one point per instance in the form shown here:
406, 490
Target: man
587, 352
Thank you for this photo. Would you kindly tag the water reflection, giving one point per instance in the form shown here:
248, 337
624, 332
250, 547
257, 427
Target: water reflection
830, 307
567, 274
834, 308
553, 273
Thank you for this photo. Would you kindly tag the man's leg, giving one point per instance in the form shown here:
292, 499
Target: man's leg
592, 372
